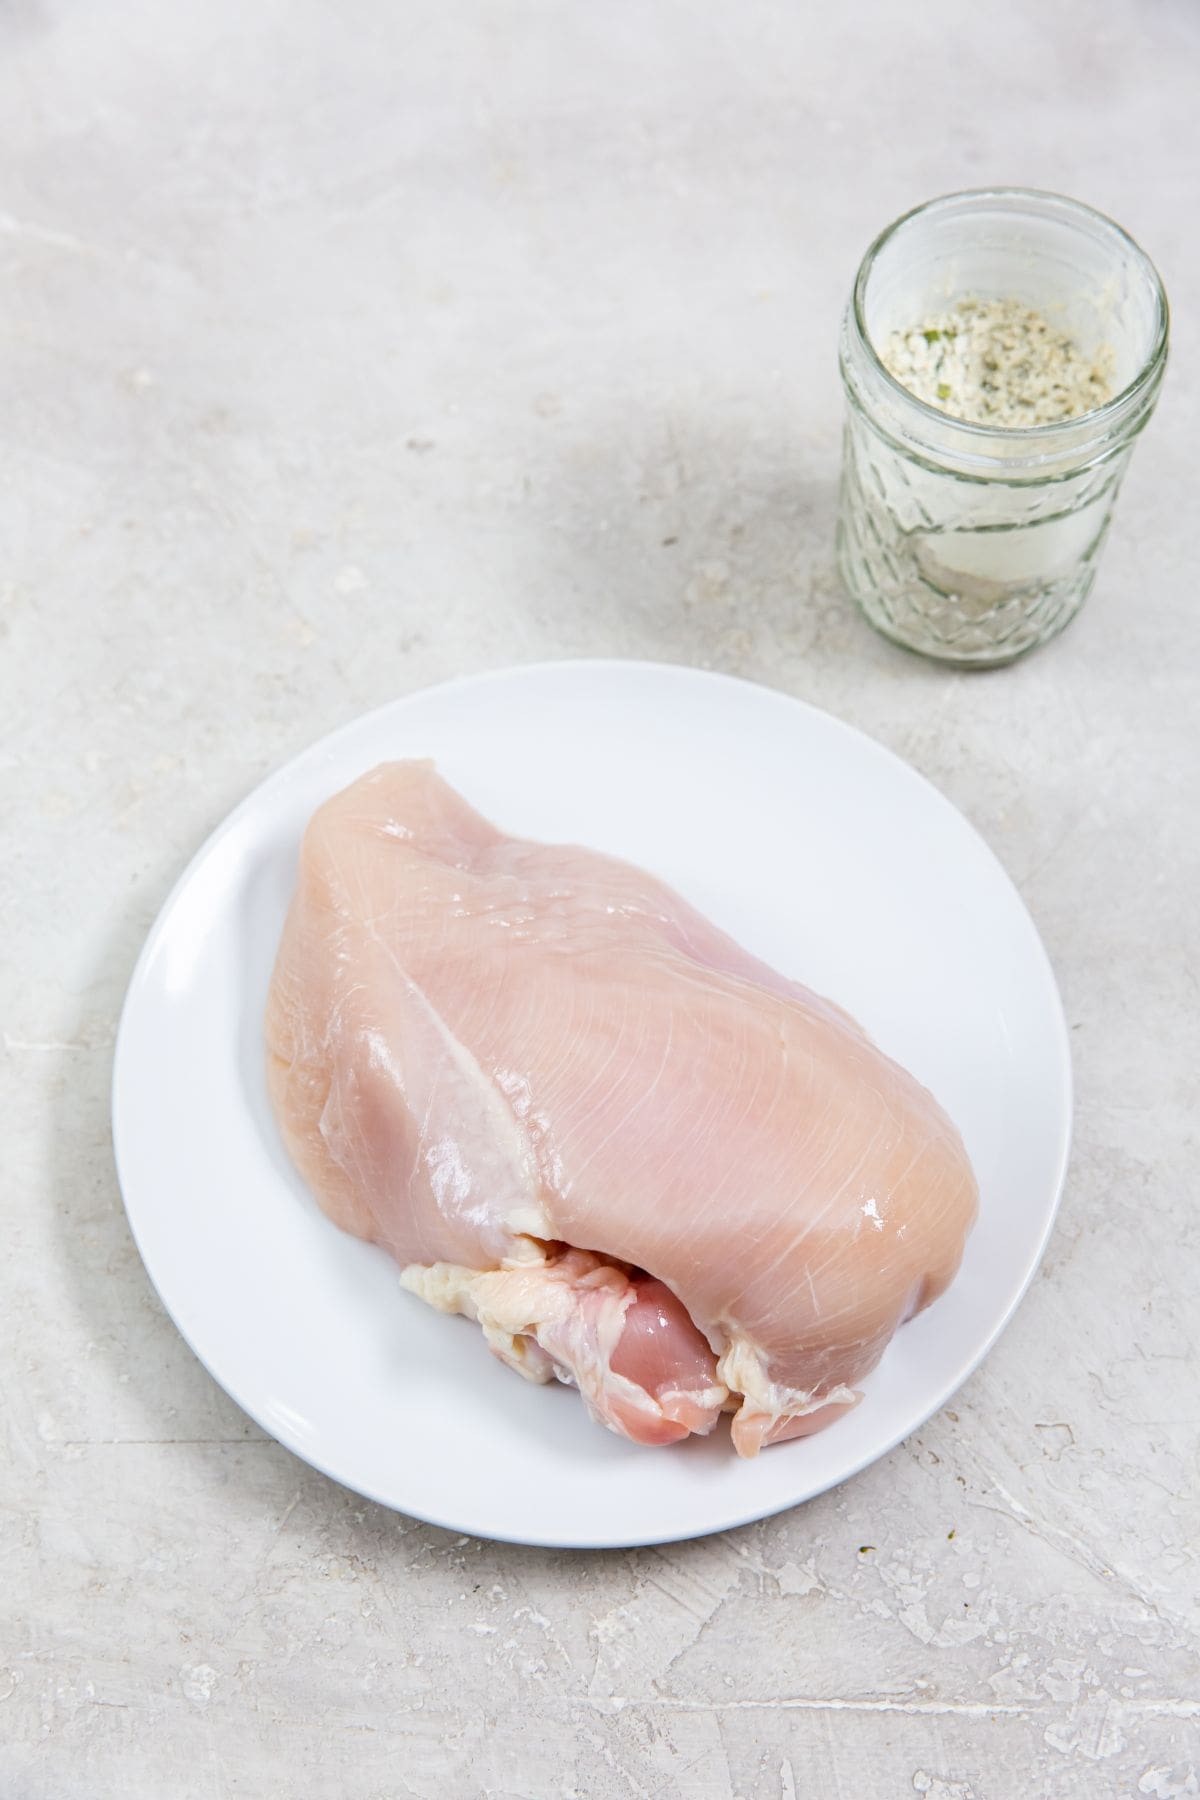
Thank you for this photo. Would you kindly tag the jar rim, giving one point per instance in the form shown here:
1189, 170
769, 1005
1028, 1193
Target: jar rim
1097, 418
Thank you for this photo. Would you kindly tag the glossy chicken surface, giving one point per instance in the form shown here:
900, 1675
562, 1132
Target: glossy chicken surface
573, 1110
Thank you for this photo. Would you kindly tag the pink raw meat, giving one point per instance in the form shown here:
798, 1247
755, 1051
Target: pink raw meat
576, 1112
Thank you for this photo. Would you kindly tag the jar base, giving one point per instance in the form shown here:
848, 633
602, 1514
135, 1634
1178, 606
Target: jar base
970, 631
982, 660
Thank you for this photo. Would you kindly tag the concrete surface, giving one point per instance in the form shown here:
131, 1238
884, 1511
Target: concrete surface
347, 348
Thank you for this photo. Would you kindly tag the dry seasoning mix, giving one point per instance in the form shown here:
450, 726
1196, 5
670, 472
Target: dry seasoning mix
997, 362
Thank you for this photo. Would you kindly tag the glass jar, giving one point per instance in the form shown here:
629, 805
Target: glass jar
975, 543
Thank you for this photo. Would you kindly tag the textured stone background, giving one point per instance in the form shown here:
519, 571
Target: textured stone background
345, 348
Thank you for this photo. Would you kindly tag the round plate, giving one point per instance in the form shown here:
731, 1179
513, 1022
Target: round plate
815, 848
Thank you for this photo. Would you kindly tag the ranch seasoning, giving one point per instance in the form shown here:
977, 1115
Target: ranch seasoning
1000, 363
986, 434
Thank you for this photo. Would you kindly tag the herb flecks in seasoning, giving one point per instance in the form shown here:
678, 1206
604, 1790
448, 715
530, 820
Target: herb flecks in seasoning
997, 362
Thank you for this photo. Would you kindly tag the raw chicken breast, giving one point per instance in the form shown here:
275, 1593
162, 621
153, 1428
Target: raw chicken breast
573, 1110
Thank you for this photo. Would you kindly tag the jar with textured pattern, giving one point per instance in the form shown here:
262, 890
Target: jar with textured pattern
973, 543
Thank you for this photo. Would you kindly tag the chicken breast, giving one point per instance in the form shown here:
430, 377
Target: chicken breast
573, 1110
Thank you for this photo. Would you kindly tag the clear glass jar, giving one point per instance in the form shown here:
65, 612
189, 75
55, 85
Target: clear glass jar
974, 543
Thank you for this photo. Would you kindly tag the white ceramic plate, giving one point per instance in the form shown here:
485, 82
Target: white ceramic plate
814, 847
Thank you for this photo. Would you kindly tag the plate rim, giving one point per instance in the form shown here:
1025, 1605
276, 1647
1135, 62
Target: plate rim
574, 1540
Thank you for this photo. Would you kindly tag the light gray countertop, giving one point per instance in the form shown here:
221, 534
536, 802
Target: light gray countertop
347, 349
